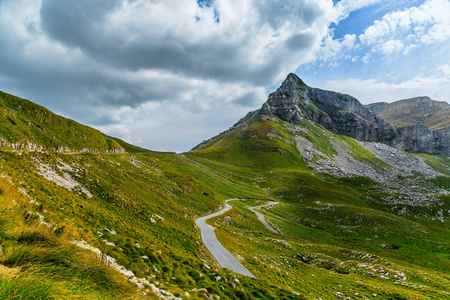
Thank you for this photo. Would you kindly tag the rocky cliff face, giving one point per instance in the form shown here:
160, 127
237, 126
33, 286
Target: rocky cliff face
423, 122
294, 101
423, 139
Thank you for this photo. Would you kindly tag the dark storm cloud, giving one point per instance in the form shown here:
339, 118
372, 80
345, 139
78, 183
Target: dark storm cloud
86, 25
76, 23
299, 41
102, 62
247, 100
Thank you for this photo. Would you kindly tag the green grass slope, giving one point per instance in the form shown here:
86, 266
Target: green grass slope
26, 125
338, 236
139, 210
349, 237
261, 143
137, 207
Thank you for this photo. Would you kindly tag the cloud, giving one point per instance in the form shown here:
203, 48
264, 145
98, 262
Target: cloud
423, 25
185, 38
103, 62
392, 46
171, 73
345, 7
375, 90
334, 49
397, 32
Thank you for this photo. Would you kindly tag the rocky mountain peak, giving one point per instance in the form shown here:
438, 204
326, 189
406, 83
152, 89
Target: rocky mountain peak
427, 103
415, 111
295, 102
291, 82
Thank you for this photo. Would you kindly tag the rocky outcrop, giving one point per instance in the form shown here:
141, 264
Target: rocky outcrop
294, 102
423, 139
423, 123
375, 107
28, 146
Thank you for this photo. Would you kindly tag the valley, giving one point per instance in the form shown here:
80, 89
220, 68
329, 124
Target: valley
354, 217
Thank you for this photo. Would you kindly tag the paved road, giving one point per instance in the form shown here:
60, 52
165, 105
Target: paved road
223, 257
261, 217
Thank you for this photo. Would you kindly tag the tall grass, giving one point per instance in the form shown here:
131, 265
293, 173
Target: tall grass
29, 286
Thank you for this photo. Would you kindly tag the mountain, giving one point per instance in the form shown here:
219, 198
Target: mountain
265, 142
414, 111
88, 216
352, 218
324, 130
336, 193
294, 101
424, 123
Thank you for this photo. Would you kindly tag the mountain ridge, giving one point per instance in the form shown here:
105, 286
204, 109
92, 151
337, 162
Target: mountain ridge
71, 216
432, 114
294, 101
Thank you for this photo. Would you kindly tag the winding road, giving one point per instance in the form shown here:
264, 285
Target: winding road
261, 217
223, 257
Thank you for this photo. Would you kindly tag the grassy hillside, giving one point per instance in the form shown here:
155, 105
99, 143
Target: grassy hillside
339, 236
39, 262
26, 125
261, 143
137, 209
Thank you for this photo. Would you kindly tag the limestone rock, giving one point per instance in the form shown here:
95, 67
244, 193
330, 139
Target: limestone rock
294, 102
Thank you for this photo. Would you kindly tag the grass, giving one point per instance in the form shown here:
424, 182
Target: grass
304, 252
129, 191
40, 263
29, 287
330, 226
431, 116
261, 144
144, 204
438, 162
24, 124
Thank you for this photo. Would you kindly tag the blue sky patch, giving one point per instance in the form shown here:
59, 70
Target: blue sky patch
205, 3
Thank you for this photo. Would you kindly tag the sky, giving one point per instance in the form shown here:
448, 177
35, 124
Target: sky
167, 74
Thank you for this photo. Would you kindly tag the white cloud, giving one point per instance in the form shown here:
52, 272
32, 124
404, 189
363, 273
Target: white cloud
349, 41
102, 62
392, 46
334, 49
345, 7
427, 24
374, 90
396, 32
171, 73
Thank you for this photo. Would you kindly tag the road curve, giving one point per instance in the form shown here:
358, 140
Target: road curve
261, 217
223, 257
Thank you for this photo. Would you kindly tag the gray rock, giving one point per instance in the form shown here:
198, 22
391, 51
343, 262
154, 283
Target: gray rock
294, 101
423, 139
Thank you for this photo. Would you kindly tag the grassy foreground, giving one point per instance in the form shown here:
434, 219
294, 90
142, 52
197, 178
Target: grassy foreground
339, 237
